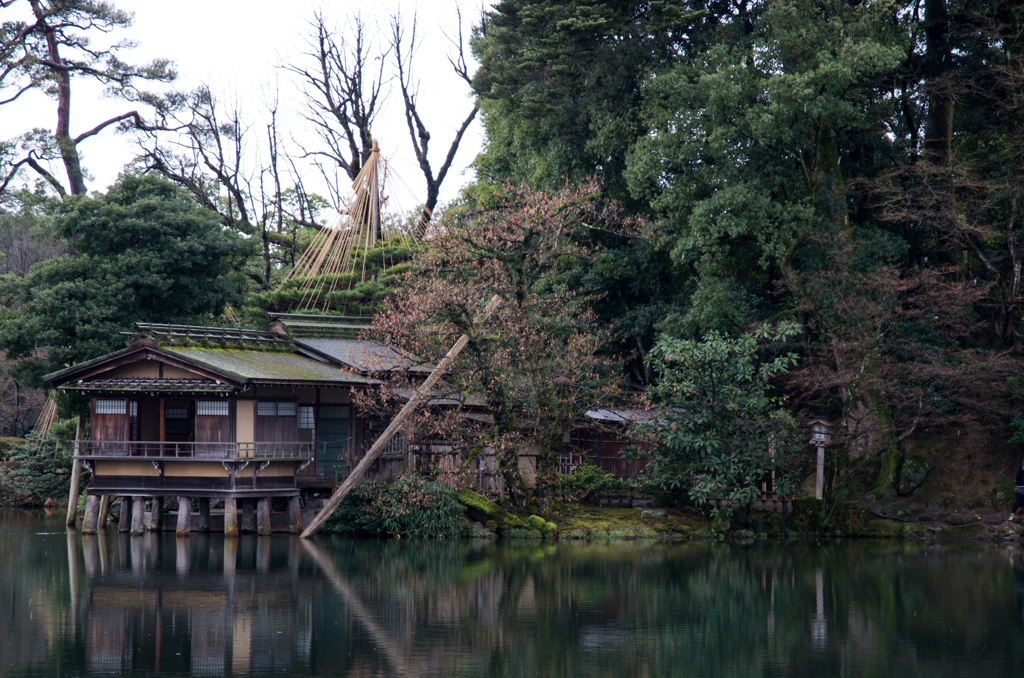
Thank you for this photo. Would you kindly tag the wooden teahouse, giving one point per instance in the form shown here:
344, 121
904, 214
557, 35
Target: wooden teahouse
226, 414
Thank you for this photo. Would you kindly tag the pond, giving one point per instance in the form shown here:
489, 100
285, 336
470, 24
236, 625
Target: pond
158, 605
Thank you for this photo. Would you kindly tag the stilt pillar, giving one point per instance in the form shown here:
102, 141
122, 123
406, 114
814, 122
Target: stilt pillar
248, 523
105, 501
204, 515
156, 516
138, 516
124, 524
92, 509
263, 516
184, 517
294, 515
230, 519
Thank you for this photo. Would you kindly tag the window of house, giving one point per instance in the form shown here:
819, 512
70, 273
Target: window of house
307, 424
212, 408
306, 419
111, 407
275, 408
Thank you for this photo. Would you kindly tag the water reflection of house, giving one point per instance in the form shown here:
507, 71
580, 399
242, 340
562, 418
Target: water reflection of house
202, 626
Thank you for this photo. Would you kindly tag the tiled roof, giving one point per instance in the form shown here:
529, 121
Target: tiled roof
135, 384
362, 355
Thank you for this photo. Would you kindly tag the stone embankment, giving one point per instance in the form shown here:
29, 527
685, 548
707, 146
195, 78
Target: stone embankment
809, 518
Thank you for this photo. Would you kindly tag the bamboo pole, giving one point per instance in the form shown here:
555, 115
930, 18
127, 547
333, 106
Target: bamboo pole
421, 394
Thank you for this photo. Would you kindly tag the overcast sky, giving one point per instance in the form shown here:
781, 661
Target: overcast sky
235, 46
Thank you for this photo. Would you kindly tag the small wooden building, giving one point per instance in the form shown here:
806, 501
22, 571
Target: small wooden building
216, 413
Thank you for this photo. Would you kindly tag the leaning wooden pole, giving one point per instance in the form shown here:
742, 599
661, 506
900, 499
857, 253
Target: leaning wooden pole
421, 394
76, 478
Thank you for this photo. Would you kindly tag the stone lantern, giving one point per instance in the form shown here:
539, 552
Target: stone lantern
821, 435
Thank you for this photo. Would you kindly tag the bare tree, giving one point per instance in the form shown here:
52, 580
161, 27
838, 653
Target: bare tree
228, 167
344, 84
47, 54
419, 135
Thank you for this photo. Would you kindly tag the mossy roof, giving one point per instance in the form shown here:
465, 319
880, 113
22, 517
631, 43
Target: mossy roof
265, 366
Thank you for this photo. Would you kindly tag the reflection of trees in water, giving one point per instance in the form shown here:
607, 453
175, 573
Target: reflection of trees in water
799, 609
203, 606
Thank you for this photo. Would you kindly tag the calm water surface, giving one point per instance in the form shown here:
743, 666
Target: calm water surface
201, 606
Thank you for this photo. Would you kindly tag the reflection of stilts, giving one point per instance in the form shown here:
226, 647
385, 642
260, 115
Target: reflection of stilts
181, 556
101, 538
393, 652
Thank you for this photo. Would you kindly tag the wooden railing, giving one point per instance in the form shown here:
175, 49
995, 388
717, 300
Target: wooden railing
148, 449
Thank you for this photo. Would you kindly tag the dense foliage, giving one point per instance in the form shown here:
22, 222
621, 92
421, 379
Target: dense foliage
719, 431
536, 364
33, 471
412, 506
142, 252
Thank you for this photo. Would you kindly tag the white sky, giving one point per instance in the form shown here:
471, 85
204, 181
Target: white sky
235, 46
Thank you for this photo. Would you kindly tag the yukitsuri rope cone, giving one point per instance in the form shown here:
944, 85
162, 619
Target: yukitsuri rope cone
337, 256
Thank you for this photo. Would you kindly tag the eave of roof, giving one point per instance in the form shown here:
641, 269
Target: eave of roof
150, 385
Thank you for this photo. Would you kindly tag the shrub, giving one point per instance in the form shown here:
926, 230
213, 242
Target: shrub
587, 482
412, 506
32, 472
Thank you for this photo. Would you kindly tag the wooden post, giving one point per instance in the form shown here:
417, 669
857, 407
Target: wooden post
124, 524
263, 516
294, 515
421, 394
184, 517
76, 479
92, 509
230, 522
156, 517
105, 501
204, 515
248, 523
138, 516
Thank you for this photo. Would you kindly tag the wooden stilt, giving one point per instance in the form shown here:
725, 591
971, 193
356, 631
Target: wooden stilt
156, 516
294, 515
248, 524
184, 517
230, 520
378, 446
124, 524
138, 516
105, 501
92, 509
204, 515
263, 516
